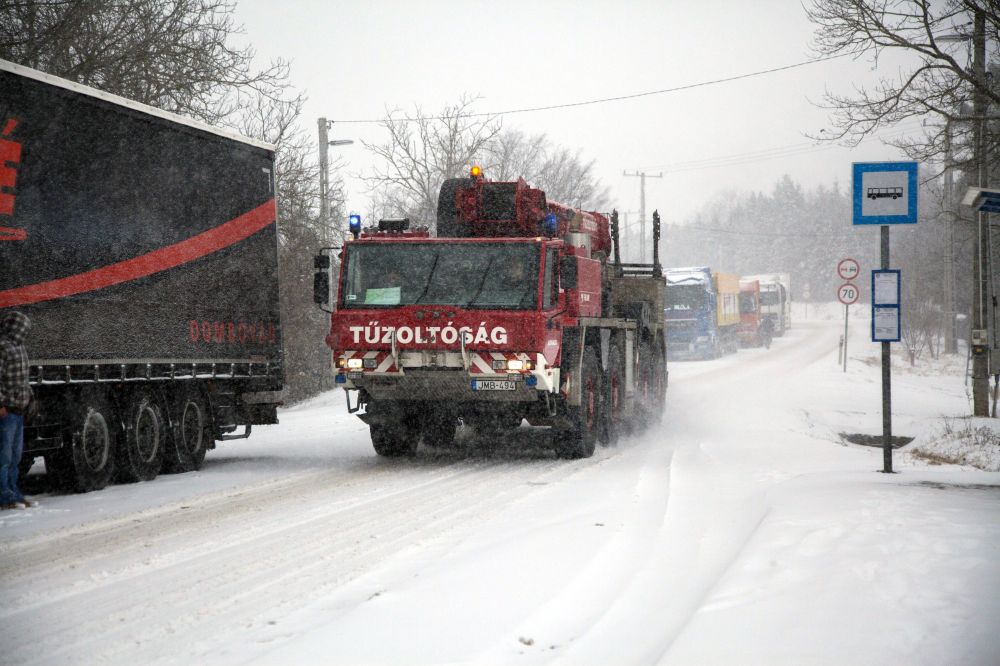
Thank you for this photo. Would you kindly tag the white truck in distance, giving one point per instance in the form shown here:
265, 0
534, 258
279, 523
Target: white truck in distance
775, 300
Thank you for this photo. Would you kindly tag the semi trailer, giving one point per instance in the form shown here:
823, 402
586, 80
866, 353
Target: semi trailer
143, 247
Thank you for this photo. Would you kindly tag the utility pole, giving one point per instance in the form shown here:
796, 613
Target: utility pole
950, 337
324, 168
642, 209
980, 361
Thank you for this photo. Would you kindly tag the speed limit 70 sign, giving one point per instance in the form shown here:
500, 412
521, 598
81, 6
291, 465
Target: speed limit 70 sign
848, 294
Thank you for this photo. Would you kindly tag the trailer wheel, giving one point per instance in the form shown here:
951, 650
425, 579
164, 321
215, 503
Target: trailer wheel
614, 391
186, 450
24, 466
141, 453
88, 463
578, 439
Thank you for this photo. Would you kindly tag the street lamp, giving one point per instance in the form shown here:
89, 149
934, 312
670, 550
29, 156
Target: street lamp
324, 167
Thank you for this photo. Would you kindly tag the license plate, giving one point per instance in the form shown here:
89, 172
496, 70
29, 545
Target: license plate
493, 385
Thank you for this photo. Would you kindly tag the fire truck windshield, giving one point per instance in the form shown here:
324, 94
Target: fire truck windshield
467, 275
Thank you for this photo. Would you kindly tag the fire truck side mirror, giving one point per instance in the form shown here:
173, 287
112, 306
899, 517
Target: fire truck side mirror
567, 272
321, 279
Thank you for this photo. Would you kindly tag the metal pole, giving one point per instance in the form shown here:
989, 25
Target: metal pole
847, 311
886, 377
980, 370
324, 166
950, 341
642, 210
642, 218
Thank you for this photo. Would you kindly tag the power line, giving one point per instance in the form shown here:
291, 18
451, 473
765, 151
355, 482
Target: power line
620, 98
763, 154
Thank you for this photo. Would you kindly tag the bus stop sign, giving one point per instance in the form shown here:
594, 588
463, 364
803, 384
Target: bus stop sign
885, 193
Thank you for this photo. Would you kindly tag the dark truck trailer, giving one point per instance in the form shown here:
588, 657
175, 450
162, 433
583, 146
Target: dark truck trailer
143, 246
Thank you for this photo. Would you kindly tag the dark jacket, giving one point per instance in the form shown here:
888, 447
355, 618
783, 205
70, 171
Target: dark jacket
15, 393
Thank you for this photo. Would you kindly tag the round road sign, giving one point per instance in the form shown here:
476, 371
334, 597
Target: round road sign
848, 269
848, 294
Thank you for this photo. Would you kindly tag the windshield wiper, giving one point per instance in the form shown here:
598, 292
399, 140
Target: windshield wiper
430, 276
482, 283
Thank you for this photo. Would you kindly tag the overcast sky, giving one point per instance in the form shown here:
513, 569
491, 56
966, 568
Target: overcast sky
356, 58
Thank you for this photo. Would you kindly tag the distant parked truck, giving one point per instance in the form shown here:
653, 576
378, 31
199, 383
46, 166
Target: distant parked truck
775, 300
143, 247
702, 313
755, 330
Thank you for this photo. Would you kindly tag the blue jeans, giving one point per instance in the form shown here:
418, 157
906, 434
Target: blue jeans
11, 448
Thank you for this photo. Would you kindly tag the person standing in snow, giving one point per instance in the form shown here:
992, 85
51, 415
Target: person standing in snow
15, 396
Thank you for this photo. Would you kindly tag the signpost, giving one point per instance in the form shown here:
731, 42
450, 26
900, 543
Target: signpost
885, 193
847, 294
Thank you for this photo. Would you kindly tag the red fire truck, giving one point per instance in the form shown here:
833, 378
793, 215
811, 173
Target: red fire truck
519, 308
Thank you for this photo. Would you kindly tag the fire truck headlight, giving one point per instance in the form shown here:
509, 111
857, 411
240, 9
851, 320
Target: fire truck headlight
341, 362
499, 364
371, 363
515, 364
354, 363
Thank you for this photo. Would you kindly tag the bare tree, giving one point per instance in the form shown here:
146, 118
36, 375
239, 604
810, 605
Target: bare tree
560, 172
939, 85
422, 152
176, 55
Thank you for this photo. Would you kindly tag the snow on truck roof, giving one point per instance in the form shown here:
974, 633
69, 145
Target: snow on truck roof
27, 72
692, 275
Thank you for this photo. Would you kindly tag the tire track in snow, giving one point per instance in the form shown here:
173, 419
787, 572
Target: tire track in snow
232, 576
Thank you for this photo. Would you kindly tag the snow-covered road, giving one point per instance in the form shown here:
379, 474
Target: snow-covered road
742, 531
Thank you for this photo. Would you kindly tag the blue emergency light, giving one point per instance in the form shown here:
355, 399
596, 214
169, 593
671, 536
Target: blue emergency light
550, 223
354, 223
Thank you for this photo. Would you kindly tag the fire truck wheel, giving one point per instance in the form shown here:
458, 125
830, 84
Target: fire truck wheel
439, 430
578, 439
88, 462
193, 434
395, 440
140, 456
652, 384
614, 387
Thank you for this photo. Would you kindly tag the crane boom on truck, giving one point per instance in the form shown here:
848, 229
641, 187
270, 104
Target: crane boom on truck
514, 310
143, 247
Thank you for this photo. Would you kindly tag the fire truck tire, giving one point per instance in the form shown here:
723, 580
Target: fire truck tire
439, 430
395, 440
652, 383
88, 462
140, 455
613, 394
193, 434
578, 439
